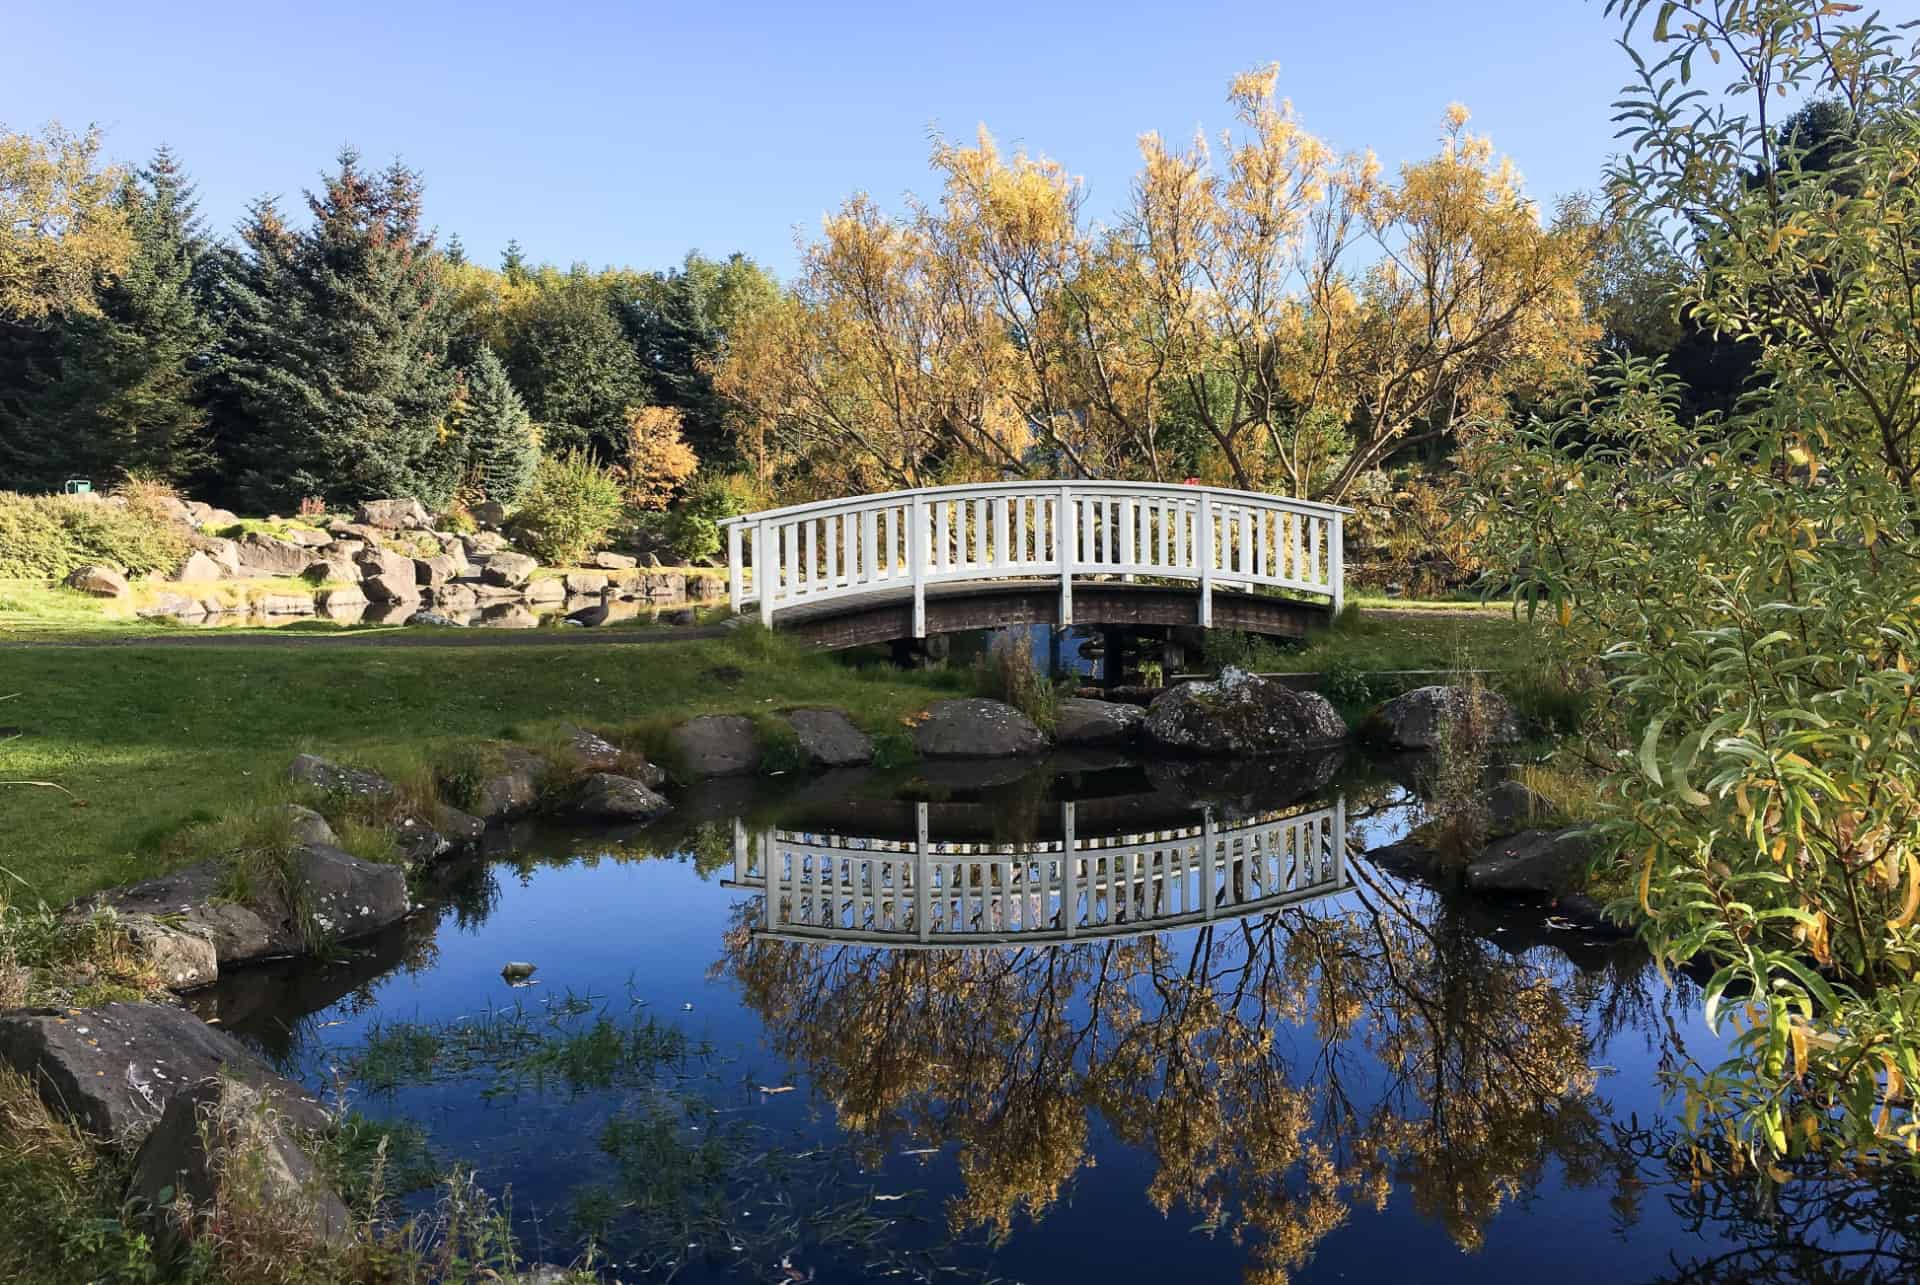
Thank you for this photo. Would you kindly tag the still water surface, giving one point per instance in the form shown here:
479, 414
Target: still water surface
1289, 1066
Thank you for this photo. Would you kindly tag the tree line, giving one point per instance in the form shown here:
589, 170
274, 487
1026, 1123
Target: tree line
333, 356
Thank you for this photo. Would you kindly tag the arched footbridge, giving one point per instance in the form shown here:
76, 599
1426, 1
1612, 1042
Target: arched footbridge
906, 564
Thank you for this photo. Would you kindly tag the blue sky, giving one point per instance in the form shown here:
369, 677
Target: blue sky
630, 133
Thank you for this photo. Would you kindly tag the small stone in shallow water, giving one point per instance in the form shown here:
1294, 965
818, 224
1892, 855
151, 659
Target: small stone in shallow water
516, 970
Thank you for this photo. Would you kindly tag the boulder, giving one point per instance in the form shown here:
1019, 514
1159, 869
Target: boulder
544, 589
666, 586
1511, 804
701, 588
184, 959
509, 570
975, 727
112, 1068
220, 519
262, 555
394, 515
1417, 720
384, 588
171, 606
199, 568
286, 604
489, 513
99, 580
309, 537
331, 778
513, 789
431, 573
585, 582
375, 560
717, 745
347, 598
482, 543
1532, 863
332, 570
828, 738
1241, 715
434, 618
606, 797
224, 552
333, 896
1083, 722
224, 1143
590, 748
306, 825
455, 598
611, 561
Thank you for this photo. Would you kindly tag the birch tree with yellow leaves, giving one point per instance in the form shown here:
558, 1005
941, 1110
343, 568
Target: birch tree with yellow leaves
1261, 311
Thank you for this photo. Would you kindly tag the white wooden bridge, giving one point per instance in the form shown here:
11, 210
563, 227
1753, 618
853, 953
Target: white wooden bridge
1017, 552
926, 893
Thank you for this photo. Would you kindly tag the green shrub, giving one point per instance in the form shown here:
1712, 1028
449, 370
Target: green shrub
569, 509
692, 529
47, 536
1006, 672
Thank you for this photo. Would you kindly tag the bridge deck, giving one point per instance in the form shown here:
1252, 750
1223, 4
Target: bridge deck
887, 614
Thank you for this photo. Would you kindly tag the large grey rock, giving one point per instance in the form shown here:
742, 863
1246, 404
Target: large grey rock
1419, 719
435, 618
346, 598
98, 580
332, 778
225, 1143
306, 825
1242, 715
509, 570
171, 606
975, 727
452, 598
286, 604
1533, 862
436, 571
333, 569
262, 555
310, 537
330, 896
482, 543
828, 738
224, 552
513, 789
717, 745
611, 561
383, 588
184, 960
1512, 804
489, 513
378, 560
393, 515
111, 1069
1078, 721
585, 582
544, 589
590, 748
199, 568
606, 797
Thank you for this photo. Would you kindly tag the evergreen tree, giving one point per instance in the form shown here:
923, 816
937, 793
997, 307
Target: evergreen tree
333, 378
574, 364
680, 323
501, 449
456, 251
114, 391
513, 264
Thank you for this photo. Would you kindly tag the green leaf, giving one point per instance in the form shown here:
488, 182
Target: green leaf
1648, 744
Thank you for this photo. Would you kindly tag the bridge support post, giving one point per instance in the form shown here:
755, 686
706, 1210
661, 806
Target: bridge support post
736, 574
1069, 874
922, 875
1203, 537
917, 556
1337, 561
1067, 542
765, 578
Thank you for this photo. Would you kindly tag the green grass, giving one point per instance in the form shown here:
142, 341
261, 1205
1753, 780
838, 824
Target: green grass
145, 742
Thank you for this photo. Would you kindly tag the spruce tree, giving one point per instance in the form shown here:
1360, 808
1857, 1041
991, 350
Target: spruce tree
115, 392
501, 449
573, 362
334, 378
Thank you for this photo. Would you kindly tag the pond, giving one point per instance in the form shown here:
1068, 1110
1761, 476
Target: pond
991, 1023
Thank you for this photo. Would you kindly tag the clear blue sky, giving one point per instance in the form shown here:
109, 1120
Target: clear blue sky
629, 133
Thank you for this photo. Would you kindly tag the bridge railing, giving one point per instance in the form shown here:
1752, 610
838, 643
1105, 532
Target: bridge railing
923, 892
811, 553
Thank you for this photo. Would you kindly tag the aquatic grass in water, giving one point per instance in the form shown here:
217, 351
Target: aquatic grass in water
516, 1049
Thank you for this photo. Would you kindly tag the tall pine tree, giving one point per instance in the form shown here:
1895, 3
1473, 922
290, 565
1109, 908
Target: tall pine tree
333, 378
578, 370
501, 449
116, 391
679, 323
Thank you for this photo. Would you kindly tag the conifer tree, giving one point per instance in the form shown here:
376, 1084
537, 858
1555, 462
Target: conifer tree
334, 377
575, 365
501, 449
115, 389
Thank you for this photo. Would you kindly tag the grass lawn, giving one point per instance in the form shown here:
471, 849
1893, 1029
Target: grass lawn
144, 740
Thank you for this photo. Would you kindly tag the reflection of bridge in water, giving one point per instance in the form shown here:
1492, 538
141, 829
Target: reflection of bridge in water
925, 892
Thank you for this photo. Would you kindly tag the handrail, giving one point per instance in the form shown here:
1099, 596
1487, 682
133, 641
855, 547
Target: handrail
1089, 484
924, 893
810, 553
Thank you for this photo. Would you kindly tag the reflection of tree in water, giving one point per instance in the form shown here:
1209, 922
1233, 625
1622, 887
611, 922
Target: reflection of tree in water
1437, 1064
